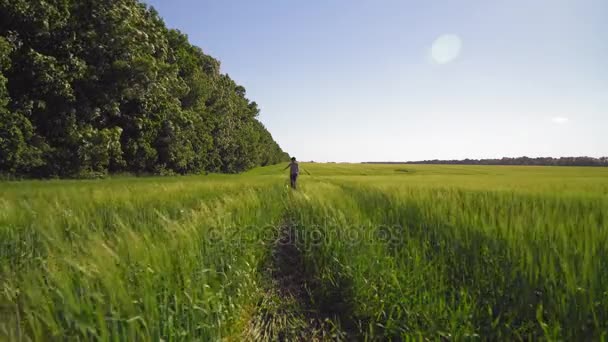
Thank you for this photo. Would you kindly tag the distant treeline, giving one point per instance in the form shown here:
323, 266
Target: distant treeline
96, 86
542, 161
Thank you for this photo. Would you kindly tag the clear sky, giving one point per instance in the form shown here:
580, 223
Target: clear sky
393, 80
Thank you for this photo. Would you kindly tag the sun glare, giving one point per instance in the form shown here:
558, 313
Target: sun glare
446, 48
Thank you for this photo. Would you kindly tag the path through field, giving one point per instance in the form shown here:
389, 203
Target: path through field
289, 311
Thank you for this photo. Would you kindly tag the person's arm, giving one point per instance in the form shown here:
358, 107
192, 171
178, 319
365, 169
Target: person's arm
287, 167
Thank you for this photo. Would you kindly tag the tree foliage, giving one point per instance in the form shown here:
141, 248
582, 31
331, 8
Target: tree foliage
540, 161
96, 86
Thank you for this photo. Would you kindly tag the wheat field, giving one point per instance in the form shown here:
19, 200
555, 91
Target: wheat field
359, 251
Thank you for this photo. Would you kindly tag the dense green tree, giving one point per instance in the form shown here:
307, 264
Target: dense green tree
540, 161
96, 86
19, 151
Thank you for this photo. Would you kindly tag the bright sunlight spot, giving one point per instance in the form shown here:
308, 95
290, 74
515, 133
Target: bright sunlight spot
446, 48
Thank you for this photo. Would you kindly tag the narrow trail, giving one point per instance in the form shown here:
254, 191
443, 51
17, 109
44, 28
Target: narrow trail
288, 311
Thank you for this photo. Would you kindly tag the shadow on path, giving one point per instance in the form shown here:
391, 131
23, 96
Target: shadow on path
287, 312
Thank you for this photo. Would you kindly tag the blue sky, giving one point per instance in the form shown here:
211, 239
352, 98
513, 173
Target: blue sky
390, 80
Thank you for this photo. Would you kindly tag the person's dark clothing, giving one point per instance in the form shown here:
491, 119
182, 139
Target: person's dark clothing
293, 178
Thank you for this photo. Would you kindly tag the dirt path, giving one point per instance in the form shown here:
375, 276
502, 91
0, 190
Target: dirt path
288, 313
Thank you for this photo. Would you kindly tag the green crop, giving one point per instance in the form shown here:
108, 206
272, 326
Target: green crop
380, 252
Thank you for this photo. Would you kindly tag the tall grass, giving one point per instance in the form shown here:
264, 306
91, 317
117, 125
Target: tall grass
389, 252
430, 260
144, 260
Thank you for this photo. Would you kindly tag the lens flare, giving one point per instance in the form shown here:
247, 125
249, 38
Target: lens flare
446, 48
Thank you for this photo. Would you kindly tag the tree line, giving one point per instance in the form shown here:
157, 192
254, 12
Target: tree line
540, 161
89, 87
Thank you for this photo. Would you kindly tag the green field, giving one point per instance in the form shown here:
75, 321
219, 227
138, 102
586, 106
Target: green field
358, 251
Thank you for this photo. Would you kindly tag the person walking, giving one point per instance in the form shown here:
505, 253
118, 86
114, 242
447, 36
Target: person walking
294, 171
